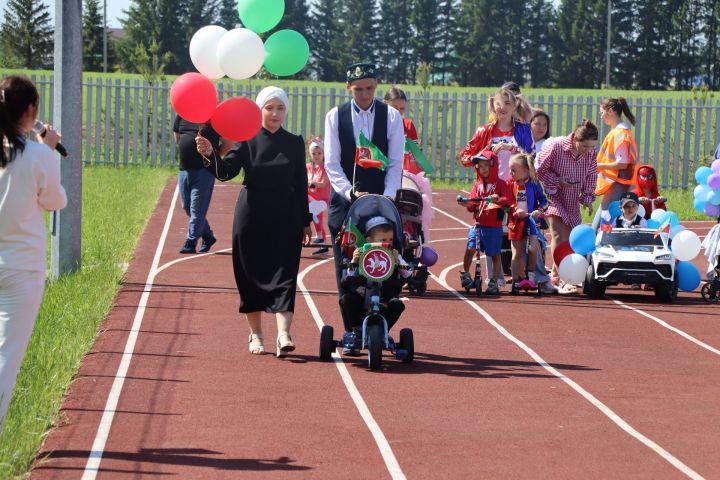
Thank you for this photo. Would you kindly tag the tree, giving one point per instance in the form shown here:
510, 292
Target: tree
711, 32
329, 57
156, 20
393, 41
93, 32
27, 33
581, 47
296, 17
447, 40
540, 42
426, 32
228, 16
360, 30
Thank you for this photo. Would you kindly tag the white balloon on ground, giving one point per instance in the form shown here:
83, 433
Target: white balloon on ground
572, 268
686, 245
240, 53
203, 51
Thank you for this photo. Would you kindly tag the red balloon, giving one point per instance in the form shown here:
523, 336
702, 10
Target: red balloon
237, 118
561, 251
193, 97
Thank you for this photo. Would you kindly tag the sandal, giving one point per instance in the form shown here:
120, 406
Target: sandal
285, 344
255, 344
566, 288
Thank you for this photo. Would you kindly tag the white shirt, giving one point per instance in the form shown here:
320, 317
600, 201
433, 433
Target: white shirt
364, 121
29, 185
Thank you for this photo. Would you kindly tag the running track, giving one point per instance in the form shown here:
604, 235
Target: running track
511, 387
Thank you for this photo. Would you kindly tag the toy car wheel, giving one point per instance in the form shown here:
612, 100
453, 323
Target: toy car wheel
709, 294
592, 287
375, 346
327, 344
667, 292
477, 285
407, 343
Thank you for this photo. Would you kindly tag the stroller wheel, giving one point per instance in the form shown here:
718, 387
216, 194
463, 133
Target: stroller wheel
375, 346
407, 343
709, 294
327, 344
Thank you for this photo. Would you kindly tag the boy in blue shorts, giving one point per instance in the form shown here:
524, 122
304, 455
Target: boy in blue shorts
493, 194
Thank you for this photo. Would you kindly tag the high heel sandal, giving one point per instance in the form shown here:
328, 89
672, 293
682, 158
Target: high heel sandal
255, 344
284, 345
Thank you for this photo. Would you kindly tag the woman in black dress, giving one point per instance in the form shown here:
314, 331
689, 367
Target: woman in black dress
272, 219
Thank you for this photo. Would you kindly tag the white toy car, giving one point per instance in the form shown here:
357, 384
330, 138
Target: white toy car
632, 256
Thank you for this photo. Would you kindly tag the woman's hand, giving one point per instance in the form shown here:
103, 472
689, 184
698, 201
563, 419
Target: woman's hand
307, 235
521, 213
589, 207
51, 138
203, 145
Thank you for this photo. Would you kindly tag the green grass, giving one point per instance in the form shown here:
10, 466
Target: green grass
74, 306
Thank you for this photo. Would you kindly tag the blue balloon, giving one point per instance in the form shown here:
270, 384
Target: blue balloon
688, 276
699, 205
614, 209
673, 218
702, 174
582, 239
701, 192
714, 197
653, 223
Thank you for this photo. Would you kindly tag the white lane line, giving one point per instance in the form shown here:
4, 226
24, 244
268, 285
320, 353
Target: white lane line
190, 257
383, 445
445, 229
604, 409
452, 217
98, 447
448, 240
664, 324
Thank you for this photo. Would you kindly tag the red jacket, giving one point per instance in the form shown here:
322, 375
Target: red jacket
647, 180
489, 214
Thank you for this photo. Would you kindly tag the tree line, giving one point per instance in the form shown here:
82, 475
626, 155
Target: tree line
654, 44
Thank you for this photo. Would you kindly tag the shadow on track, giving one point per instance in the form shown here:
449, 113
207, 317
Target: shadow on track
192, 457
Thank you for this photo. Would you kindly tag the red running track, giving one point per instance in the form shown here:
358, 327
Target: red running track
508, 387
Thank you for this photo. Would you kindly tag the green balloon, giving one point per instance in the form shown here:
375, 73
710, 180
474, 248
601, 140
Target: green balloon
286, 53
261, 15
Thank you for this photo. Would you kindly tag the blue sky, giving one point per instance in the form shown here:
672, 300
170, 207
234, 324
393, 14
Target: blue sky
115, 8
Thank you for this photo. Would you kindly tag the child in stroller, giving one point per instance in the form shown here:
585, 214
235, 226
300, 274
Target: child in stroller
415, 209
371, 283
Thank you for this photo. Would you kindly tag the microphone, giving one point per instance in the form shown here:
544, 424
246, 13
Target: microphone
39, 128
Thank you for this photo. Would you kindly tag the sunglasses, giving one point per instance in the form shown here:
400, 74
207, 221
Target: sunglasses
649, 176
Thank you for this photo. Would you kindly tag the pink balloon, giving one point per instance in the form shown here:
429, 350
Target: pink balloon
715, 167
237, 118
713, 181
712, 210
193, 97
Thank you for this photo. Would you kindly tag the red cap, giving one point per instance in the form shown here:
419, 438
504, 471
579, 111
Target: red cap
487, 155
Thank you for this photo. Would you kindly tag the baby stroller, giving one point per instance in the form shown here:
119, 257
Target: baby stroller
409, 203
375, 267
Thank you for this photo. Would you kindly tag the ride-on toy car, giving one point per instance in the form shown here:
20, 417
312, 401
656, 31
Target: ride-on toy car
632, 256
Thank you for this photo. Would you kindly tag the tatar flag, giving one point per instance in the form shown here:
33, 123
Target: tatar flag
420, 158
368, 155
351, 238
663, 228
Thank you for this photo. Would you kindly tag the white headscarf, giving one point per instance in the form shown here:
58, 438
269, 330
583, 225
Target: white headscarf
268, 93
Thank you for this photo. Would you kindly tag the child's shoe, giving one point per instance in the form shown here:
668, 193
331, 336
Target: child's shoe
527, 284
465, 279
514, 290
492, 288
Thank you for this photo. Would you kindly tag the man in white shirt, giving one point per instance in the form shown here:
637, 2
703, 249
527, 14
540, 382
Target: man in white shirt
378, 122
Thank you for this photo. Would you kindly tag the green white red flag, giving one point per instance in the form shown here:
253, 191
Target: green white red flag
368, 155
663, 228
413, 148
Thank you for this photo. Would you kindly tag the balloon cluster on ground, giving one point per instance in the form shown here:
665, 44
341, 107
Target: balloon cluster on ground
238, 53
707, 193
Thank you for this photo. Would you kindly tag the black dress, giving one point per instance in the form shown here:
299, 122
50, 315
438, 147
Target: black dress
270, 215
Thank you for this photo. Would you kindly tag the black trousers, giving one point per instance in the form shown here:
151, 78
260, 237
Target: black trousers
352, 305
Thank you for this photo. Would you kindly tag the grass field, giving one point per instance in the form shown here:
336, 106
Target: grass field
74, 306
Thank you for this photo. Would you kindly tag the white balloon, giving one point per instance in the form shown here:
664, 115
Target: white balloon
240, 53
686, 245
572, 268
641, 211
657, 214
203, 51
675, 230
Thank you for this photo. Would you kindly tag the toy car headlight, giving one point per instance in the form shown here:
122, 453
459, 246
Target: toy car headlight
667, 256
605, 255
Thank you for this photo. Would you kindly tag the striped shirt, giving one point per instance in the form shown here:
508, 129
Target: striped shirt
557, 160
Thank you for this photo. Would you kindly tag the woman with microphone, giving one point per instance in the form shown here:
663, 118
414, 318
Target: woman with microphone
29, 185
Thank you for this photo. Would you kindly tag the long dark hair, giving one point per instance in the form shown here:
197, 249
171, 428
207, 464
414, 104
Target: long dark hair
618, 105
394, 93
541, 113
17, 93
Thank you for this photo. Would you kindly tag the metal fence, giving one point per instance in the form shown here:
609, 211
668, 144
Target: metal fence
130, 122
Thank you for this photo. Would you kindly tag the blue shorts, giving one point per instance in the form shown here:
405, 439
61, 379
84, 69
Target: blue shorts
490, 240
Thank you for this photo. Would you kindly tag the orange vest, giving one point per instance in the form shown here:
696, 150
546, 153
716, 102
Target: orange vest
606, 178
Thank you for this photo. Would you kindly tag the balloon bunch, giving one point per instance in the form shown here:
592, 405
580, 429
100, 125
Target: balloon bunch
707, 192
570, 256
239, 54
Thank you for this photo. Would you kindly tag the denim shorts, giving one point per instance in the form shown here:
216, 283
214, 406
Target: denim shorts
490, 240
